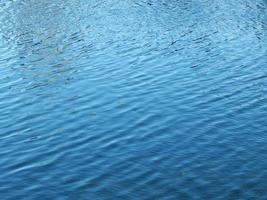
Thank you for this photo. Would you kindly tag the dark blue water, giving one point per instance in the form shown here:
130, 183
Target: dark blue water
128, 99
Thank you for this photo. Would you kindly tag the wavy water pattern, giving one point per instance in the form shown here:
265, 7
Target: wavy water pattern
127, 99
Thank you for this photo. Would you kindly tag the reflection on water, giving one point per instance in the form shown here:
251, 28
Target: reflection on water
40, 34
132, 99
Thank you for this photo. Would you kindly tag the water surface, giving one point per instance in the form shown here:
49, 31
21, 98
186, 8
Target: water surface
127, 99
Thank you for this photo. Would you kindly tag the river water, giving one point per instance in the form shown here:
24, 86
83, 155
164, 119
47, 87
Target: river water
128, 99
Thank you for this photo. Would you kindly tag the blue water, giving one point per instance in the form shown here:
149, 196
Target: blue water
128, 99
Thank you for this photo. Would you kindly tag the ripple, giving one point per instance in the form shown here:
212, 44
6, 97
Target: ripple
133, 99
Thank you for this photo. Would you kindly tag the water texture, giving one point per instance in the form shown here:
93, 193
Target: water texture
128, 99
